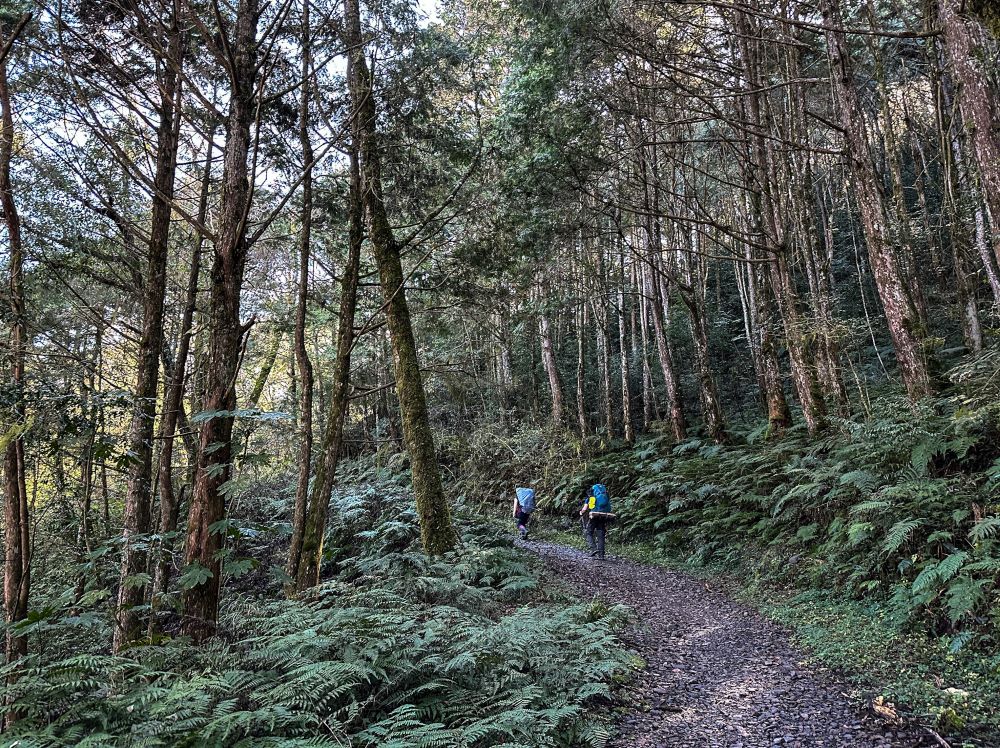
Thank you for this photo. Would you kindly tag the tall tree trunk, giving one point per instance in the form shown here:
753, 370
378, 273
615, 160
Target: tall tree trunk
711, 407
760, 284
779, 416
581, 367
799, 348
307, 572
89, 412
650, 408
659, 305
604, 358
976, 101
693, 294
773, 232
760, 291
819, 254
656, 291
551, 367
305, 369
17, 544
138, 497
628, 427
173, 401
208, 506
897, 301
437, 532
957, 182
824, 351
892, 163
602, 329
264, 372
982, 245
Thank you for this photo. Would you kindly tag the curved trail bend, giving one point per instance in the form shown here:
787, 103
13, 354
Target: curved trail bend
718, 675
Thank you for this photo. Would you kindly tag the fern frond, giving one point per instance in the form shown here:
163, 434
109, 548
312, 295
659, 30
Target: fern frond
899, 534
984, 529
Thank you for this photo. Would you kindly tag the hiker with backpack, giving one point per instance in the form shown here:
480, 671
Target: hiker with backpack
597, 515
524, 505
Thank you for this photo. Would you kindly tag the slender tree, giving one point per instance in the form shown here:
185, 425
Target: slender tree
166, 46
17, 540
302, 362
901, 312
238, 53
549, 362
436, 529
309, 563
976, 99
173, 400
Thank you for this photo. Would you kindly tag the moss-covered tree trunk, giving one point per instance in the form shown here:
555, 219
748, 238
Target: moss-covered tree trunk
436, 529
581, 365
173, 404
675, 406
655, 290
693, 294
549, 363
779, 416
628, 427
768, 208
897, 297
976, 100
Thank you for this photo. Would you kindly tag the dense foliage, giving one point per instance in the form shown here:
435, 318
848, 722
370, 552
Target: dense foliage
395, 649
879, 542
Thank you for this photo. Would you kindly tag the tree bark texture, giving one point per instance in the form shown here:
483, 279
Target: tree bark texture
308, 568
437, 532
17, 541
302, 362
551, 367
139, 494
897, 300
173, 401
208, 505
976, 101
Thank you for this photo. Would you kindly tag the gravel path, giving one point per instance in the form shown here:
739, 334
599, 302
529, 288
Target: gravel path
719, 675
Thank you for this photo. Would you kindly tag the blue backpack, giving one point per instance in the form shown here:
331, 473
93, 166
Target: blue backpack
526, 499
602, 502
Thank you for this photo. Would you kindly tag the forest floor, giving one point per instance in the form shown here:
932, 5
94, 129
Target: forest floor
718, 674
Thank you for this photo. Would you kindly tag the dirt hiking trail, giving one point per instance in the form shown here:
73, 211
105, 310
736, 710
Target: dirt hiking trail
718, 675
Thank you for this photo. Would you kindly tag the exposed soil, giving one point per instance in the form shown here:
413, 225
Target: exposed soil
718, 675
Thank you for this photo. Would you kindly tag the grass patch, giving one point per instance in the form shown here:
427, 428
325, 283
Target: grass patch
956, 692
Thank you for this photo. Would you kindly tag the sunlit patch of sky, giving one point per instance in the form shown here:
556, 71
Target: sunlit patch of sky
428, 9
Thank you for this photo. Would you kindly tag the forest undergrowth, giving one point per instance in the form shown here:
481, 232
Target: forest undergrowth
394, 648
877, 543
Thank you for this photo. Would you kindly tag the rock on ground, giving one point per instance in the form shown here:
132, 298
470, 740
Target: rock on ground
718, 675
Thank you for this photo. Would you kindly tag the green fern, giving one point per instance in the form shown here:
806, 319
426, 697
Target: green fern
899, 534
399, 649
870, 507
985, 529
